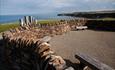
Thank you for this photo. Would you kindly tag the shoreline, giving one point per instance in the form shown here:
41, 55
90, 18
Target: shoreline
12, 22
5, 23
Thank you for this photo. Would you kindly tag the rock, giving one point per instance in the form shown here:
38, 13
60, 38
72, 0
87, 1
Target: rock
70, 68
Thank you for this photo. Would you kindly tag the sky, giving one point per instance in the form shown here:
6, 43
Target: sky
20, 7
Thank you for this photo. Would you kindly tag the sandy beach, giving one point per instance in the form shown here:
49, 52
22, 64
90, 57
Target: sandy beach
97, 44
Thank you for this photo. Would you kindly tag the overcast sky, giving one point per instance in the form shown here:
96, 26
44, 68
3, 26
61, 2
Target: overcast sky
17, 7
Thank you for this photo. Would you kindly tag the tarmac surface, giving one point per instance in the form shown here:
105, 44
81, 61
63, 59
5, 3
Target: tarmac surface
97, 44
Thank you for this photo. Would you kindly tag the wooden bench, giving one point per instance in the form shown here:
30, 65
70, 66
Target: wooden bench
81, 27
93, 63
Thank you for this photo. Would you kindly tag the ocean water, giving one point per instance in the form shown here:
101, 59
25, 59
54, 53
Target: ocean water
12, 18
9, 18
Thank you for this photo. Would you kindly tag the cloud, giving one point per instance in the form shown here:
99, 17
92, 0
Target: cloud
99, 0
104, 0
52, 6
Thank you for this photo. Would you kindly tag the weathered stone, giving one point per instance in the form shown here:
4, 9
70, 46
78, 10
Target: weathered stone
35, 40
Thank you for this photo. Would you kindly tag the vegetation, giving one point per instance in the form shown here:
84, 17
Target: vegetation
108, 19
7, 26
104, 19
47, 21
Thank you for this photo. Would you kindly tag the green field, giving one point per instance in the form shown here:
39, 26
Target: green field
7, 26
104, 19
47, 21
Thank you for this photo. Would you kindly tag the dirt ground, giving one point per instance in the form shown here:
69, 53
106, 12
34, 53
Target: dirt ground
97, 44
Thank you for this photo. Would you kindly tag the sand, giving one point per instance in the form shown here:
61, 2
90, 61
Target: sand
97, 44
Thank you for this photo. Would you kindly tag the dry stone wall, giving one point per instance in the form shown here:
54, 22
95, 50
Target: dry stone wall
64, 25
28, 48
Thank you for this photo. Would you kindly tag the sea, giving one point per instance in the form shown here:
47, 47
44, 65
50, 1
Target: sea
4, 19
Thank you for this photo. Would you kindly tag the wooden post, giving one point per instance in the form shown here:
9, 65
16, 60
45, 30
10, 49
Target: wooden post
92, 62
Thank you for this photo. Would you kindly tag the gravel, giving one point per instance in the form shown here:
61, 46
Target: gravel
97, 44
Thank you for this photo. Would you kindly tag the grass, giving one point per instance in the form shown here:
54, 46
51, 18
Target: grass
7, 26
108, 19
47, 21
104, 19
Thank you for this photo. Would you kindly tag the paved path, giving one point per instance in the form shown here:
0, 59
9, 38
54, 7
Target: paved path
98, 44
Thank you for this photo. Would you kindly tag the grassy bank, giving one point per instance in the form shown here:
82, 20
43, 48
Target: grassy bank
47, 21
103, 19
7, 26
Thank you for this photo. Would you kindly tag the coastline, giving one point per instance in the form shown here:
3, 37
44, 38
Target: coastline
13, 22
